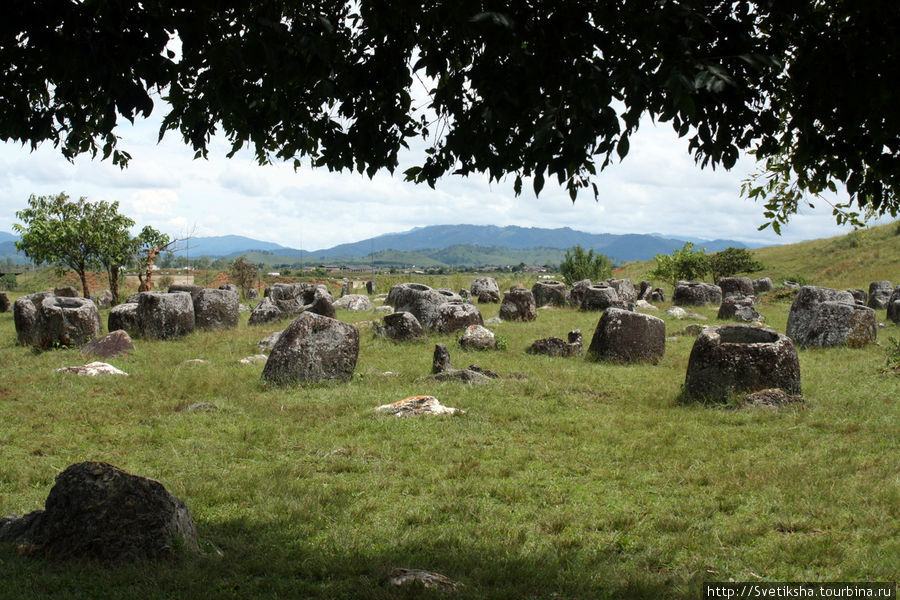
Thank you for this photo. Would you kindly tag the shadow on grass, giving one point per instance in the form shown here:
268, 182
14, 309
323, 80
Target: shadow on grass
237, 561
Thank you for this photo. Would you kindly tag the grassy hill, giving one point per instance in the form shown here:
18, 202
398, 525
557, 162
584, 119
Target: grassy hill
848, 261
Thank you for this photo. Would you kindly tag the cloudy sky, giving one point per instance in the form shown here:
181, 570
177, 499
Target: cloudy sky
657, 188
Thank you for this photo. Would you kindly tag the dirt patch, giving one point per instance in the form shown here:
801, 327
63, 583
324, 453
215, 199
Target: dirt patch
219, 280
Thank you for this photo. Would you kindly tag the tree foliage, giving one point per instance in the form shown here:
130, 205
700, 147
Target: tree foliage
78, 235
685, 264
534, 90
116, 247
244, 274
732, 261
578, 264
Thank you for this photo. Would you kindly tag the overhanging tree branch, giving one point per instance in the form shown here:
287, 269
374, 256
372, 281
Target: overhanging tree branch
543, 89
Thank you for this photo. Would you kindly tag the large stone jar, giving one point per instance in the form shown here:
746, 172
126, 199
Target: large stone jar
729, 359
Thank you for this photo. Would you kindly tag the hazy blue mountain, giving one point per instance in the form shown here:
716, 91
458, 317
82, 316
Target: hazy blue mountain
446, 244
225, 245
8, 248
622, 247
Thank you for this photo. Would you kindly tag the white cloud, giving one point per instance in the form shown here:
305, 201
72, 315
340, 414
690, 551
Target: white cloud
152, 203
657, 188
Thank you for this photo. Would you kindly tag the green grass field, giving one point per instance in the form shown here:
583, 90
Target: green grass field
567, 479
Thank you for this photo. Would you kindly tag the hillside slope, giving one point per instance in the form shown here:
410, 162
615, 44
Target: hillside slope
848, 261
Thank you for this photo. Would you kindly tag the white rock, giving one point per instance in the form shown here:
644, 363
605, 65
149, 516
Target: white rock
644, 305
417, 405
354, 302
93, 369
254, 360
677, 312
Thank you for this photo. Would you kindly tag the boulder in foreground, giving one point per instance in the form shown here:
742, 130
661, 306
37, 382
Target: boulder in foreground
98, 511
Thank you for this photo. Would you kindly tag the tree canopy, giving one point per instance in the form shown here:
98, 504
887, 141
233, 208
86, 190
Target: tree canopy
732, 261
533, 90
78, 235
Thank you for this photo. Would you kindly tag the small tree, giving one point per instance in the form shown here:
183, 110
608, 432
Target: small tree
117, 246
684, 264
243, 273
732, 261
77, 235
148, 244
578, 265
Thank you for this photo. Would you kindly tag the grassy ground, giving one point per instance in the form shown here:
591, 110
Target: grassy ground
568, 479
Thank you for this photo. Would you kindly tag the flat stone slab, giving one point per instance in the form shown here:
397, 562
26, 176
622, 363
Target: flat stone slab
402, 577
93, 369
417, 405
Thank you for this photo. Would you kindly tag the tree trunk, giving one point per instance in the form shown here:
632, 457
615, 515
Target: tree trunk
147, 279
113, 273
84, 286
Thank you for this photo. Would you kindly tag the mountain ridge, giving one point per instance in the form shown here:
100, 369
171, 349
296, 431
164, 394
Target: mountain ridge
435, 240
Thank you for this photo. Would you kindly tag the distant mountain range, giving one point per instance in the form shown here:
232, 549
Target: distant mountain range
444, 245
8, 248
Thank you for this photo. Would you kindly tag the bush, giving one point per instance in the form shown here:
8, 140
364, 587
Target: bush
8, 281
578, 265
732, 261
685, 264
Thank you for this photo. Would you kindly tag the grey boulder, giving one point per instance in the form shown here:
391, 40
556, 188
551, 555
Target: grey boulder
97, 511
216, 309
313, 348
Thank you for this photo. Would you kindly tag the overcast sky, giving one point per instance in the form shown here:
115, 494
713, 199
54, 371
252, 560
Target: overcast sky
656, 189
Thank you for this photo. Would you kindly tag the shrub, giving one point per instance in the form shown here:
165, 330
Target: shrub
8, 281
578, 265
684, 264
243, 273
732, 261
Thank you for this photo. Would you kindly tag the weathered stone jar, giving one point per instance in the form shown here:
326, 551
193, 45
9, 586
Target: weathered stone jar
729, 359
66, 321
823, 317
625, 336
549, 293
